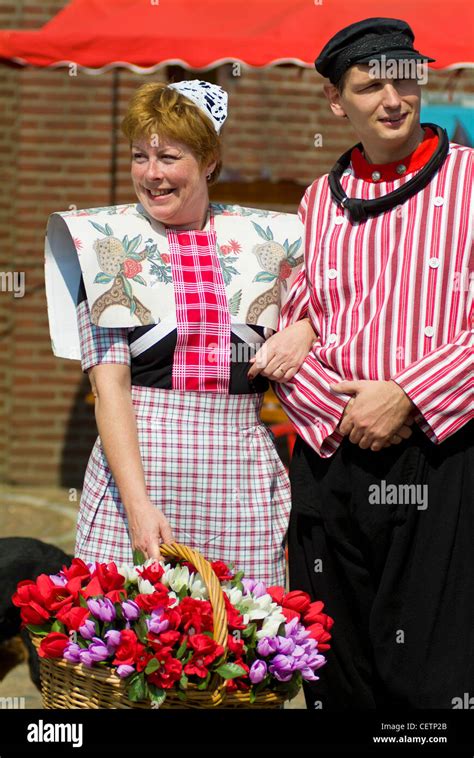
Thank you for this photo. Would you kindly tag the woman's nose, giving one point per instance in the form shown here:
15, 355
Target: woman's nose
154, 170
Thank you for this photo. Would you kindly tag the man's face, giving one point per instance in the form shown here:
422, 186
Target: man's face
385, 113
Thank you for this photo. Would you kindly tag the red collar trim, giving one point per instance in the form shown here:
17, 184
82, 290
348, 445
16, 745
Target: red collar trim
388, 171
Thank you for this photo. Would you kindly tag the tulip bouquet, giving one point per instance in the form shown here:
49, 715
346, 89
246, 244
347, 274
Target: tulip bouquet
153, 625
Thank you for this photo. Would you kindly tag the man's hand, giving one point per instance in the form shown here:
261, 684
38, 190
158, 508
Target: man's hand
378, 415
281, 356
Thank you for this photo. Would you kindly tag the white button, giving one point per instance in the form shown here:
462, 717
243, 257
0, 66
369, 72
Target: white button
339, 220
401, 168
376, 175
347, 172
332, 273
429, 331
438, 200
434, 262
332, 338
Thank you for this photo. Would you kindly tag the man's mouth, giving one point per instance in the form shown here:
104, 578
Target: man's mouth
395, 120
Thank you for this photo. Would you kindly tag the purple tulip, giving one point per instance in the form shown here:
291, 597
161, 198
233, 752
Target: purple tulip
258, 671
112, 640
72, 653
285, 645
282, 667
58, 580
267, 646
154, 624
98, 650
131, 610
309, 675
87, 629
102, 608
125, 670
256, 588
291, 627
86, 658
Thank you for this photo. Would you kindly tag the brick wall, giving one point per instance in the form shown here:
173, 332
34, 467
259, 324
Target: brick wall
56, 148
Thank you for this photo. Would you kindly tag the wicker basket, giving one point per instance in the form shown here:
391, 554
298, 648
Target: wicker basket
68, 686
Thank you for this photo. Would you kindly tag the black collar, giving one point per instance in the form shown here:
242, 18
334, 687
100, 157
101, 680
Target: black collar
360, 210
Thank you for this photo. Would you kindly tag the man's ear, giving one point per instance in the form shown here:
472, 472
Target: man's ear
334, 96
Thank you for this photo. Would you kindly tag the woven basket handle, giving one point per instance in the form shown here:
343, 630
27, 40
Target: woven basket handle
213, 585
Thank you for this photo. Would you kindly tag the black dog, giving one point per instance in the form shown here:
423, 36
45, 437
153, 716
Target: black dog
24, 558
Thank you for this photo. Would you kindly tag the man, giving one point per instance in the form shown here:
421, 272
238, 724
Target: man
382, 526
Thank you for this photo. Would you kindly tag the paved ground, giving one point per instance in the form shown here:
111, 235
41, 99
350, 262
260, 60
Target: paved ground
48, 514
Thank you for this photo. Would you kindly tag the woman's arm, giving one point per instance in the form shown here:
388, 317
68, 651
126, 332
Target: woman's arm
117, 428
281, 356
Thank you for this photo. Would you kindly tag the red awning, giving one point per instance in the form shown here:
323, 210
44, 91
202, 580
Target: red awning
144, 34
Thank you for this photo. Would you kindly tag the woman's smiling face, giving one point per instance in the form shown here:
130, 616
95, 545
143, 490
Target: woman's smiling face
169, 182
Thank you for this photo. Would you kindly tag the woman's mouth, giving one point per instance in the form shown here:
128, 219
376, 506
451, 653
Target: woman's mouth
158, 193
394, 121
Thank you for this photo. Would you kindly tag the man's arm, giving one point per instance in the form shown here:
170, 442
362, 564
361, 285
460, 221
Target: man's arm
441, 386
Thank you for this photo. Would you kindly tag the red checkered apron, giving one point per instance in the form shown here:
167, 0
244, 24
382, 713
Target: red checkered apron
202, 355
212, 468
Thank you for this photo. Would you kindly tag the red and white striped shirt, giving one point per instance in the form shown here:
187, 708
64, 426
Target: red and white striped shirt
389, 298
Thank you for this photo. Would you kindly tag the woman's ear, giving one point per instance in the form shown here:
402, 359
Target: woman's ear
210, 167
334, 96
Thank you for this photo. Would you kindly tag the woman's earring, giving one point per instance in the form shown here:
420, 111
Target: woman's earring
208, 177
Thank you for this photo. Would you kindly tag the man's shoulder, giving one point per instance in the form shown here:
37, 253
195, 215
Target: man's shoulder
461, 153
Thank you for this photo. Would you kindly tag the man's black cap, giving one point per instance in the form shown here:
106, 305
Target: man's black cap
365, 41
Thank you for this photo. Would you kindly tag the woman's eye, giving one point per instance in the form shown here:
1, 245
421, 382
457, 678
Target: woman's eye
136, 156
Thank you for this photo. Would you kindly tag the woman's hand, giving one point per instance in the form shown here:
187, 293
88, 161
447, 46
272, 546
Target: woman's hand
148, 527
281, 356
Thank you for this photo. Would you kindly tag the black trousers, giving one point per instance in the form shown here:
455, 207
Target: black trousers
386, 540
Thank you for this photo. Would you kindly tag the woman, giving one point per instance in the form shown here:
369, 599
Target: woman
176, 296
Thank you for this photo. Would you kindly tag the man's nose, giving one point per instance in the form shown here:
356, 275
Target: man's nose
391, 98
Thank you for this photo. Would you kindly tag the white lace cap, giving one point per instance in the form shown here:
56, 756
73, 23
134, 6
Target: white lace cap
210, 98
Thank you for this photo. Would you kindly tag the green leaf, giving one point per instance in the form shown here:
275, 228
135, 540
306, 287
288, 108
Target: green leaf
135, 256
182, 649
234, 302
127, 287
250, 630
133, 244
181, 695
133, 307
203, 685
294, 685
295, 246
56, 626
137, 689
141, 630
183, 682
138, 557
230, 671
261, 232
125, 243
157, 695
108, 230
269, 233
264, 276
97, 226
139, 279
238, 576
82, 601
103, 278
252, 697
38, 630
292, 261
152, 665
